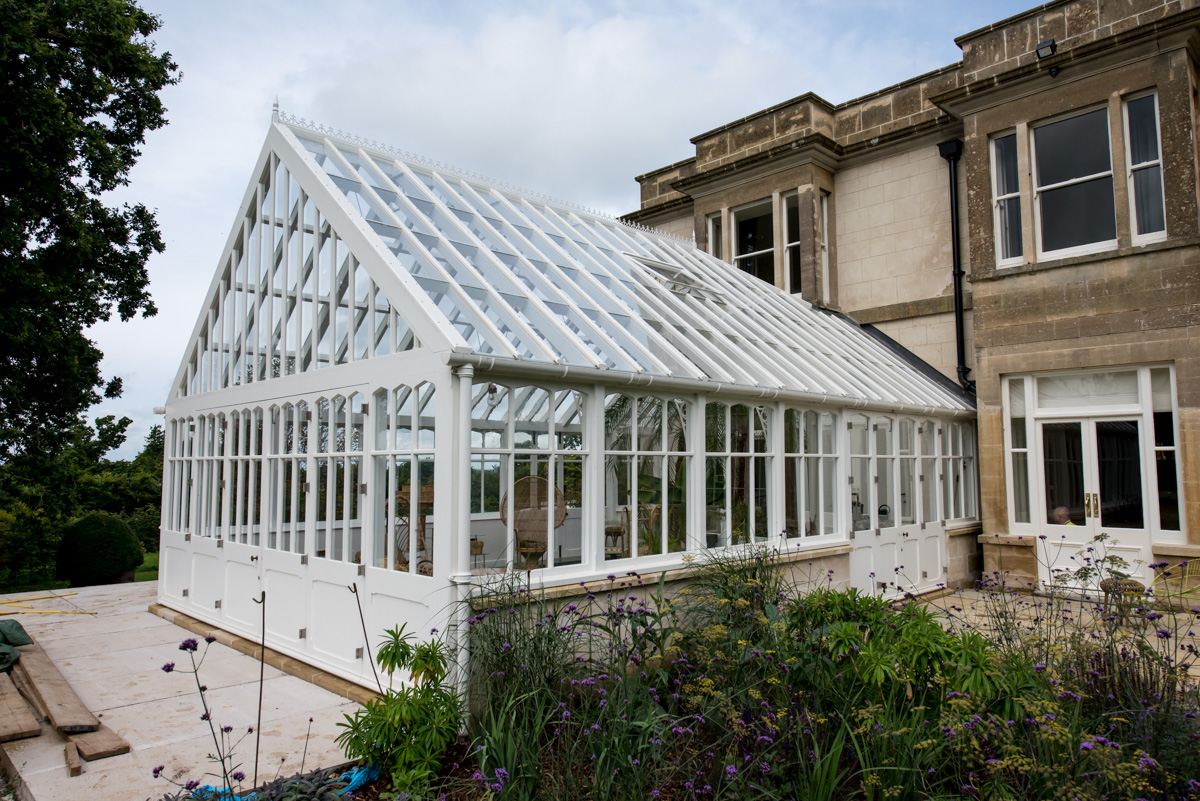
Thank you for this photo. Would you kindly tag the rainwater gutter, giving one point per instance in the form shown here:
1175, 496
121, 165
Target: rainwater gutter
951, 150
520, 368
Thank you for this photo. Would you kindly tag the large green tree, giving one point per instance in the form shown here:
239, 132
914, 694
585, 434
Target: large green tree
78, 92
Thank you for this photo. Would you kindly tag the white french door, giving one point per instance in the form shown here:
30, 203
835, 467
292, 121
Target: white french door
1093, 484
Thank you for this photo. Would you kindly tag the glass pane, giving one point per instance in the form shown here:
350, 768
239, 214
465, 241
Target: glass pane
741, 500
1020, 478
423, 515
618, 422
1010, 228
739, 428
618, 507
1078, 214
403, 409
677, 425
928, 481
905, 433
762, 497
761, 266
489, 418
1072, 148
427, 416
885, 471
792, 496
792, 209
1168, 490
755, 231
829, 507
1143, 130
649, 424
568, 420
908, 491
813, 503
531, 410
715, 511
1160, 389
1062, 463
1118, 452
1093, 389
649, 505
1148, 200
1006, 165
676, 503
568, 531
714, 428
811, 442
762, 431
883, 436
859, 443
860, 494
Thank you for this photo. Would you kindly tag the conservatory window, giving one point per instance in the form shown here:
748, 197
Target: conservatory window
927, 443
958, 465
1165, 449
737, 473
645, 475
292, 471
810, 473
527, 479
754, 241
246, 465
860, 473
907, 453
405, 437
338, 474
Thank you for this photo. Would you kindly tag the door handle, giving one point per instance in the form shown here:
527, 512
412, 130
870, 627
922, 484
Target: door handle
1095, 505
1087, 504
253, 558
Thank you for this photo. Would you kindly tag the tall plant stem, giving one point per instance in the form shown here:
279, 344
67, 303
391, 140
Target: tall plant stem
366, 640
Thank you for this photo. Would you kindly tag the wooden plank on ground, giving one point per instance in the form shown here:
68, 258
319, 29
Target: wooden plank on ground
100, 744
16, 721
66, 712
26, 689
74, 766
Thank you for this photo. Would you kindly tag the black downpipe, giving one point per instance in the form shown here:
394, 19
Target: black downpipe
951, 151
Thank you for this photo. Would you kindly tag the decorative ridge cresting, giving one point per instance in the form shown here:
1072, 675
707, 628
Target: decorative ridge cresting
467, 175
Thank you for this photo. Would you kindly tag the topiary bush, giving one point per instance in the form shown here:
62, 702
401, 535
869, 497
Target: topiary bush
98, 548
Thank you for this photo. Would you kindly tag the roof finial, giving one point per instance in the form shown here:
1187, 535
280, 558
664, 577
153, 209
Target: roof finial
275, 110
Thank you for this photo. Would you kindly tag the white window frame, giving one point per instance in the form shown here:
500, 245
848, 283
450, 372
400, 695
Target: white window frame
823, 232
997, 199
791, 249
735, 220
1130, 168
1078, 250
1143, 410
713, 221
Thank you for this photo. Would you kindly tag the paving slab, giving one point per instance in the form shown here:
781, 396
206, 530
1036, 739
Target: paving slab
113, 660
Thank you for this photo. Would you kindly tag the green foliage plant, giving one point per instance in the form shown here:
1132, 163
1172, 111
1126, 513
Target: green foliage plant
406, 731
98, 548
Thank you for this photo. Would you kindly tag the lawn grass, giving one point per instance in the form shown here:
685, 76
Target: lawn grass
148, 571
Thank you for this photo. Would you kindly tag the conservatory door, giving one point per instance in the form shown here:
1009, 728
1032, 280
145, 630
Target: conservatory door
243, 583
1092, 485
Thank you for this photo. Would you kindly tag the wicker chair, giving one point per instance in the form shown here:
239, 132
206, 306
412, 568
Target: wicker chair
531, 501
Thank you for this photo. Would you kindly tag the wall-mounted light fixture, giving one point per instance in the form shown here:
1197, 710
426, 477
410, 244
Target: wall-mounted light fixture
1047, 49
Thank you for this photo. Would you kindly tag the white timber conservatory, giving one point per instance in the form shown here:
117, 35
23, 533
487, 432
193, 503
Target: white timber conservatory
405, 380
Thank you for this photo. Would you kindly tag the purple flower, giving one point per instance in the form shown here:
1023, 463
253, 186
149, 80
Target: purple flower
238, 776
1163, 634
206, 716
227, 729
192, 785
158, 771
190, 644
1086, 746
169, 667
210, 638
1039, 668
730, 771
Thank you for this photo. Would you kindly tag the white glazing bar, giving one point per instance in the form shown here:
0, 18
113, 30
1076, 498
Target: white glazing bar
548, 316
460, 297
549, 288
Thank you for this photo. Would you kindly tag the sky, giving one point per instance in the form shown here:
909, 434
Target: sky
569, 99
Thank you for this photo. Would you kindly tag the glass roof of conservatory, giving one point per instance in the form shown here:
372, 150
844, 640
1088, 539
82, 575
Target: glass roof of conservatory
512, 275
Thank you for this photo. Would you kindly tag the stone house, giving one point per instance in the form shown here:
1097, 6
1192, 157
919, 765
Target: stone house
1056, 165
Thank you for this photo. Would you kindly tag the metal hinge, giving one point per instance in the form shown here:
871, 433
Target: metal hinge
220, 543
362, 488
924, 574
945, 570
358, 652
303, 634
362, 570
187, 537
185, 593
878, 533
304, 559
216, 604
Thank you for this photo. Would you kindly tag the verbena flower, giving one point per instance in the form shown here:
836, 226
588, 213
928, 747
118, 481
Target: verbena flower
158, 770
210, 638
190, 644
168, 668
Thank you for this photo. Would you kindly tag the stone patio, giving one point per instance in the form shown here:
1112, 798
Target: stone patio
114, 660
